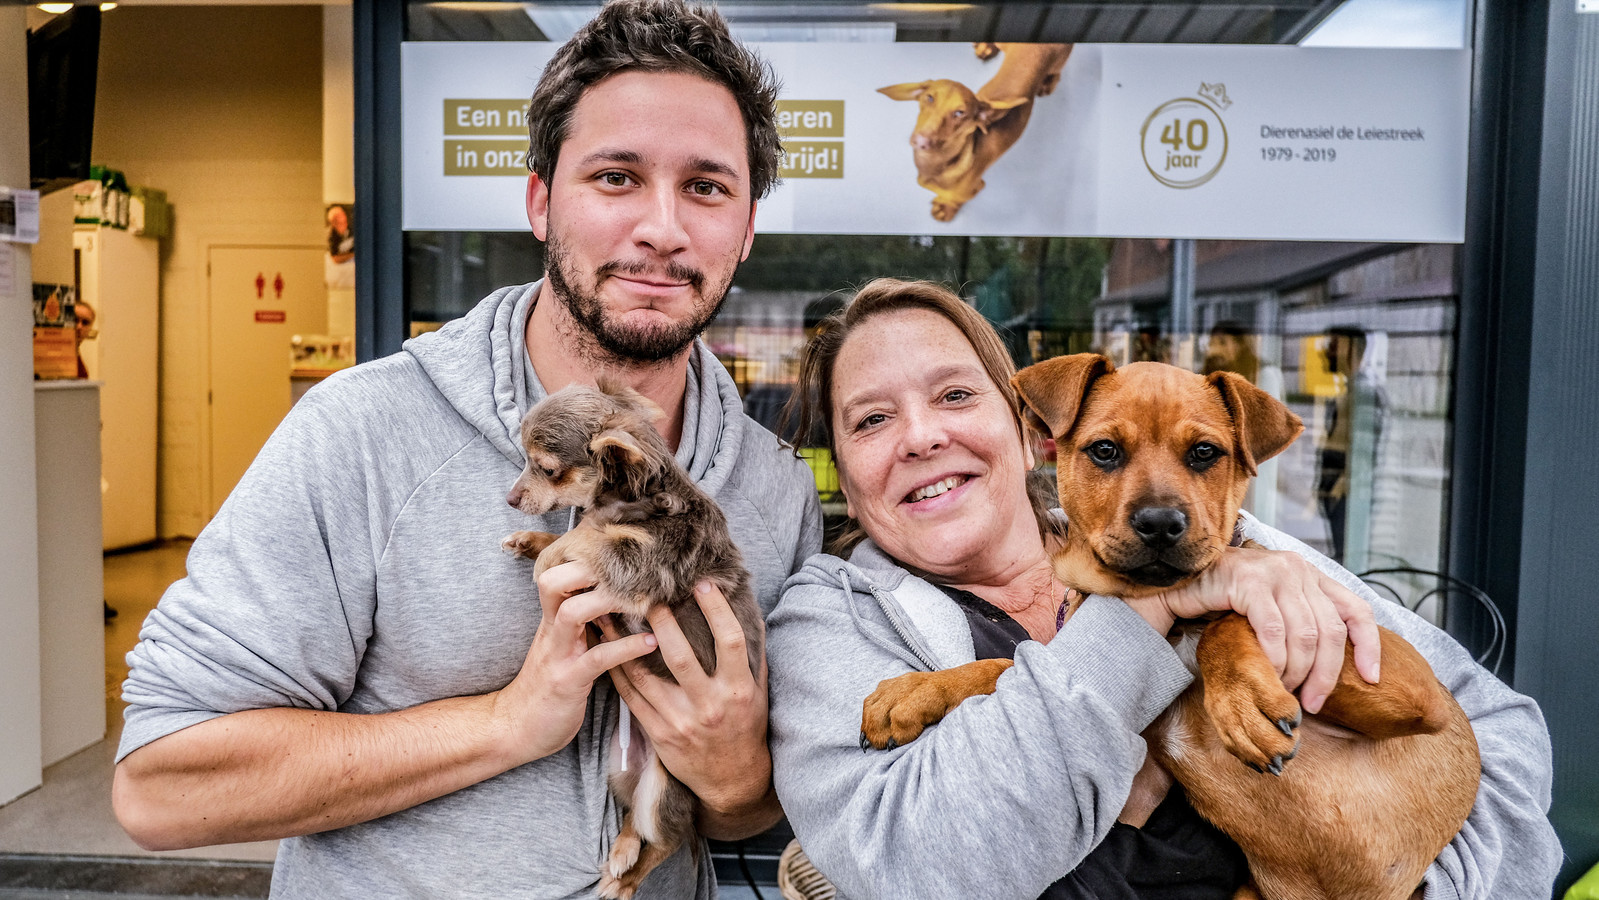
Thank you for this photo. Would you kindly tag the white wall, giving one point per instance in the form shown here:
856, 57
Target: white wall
20, 769
221, 107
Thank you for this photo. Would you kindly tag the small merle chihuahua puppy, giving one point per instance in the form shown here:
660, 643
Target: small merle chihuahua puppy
649, 535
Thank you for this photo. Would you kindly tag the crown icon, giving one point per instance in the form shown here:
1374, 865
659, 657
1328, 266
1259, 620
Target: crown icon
1215, 93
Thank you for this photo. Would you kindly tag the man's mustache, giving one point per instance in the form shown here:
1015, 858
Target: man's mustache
672, 271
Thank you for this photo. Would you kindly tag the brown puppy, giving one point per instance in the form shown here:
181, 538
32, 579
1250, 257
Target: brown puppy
650, 535
960, 133
1153, 465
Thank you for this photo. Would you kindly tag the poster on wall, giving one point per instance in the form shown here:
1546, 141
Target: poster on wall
1116, 140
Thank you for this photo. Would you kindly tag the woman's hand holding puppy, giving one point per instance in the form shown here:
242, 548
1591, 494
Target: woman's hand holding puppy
543, 707
1300, 615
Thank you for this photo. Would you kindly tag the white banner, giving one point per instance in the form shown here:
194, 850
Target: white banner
1124, 140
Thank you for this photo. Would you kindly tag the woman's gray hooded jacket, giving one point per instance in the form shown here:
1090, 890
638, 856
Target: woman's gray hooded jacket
1011, 791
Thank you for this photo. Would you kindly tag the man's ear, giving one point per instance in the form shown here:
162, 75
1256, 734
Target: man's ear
538, 206
1262, 426
1052, 392
749, 235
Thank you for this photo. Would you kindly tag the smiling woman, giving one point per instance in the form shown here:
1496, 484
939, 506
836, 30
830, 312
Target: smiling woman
875, 393
931, 462
1043, 789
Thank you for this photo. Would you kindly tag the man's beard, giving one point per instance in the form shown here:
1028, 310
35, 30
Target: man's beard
619, 342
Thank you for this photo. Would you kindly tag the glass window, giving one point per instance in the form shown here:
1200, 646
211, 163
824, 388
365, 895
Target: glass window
1357, 338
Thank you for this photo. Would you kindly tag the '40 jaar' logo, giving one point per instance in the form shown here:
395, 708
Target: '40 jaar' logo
1185, 140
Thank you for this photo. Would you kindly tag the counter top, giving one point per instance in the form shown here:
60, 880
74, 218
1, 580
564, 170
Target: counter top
65, 384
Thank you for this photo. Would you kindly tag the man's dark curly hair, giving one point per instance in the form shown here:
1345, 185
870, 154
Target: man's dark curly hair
656, 36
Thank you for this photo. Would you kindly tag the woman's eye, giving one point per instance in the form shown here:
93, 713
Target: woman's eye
956, 395
1104, 452
871, 421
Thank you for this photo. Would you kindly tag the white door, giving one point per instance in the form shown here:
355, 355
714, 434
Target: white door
260, 298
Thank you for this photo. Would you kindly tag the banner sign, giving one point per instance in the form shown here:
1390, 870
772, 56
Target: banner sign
1115, 140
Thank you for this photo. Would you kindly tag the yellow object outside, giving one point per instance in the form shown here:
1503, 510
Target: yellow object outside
1586, 888
820, 459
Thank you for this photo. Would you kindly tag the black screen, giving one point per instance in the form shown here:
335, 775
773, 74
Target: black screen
63, 61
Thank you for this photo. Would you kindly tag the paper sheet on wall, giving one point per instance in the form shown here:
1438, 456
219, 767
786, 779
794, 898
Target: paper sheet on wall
19, 216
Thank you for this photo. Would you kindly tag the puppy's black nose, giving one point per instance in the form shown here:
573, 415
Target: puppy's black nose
1159, 527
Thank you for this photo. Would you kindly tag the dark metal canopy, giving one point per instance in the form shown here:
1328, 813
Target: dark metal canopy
1078, 21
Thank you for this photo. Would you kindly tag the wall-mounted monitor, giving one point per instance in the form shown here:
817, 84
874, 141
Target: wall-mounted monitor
63, 62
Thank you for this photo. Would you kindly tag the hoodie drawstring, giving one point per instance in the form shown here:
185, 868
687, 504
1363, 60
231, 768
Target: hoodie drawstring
887, 608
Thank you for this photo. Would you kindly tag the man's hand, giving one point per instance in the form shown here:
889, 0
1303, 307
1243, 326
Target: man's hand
710, 731
1300, 615
544, 706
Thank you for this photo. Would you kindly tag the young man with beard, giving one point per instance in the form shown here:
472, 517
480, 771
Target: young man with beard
354, 665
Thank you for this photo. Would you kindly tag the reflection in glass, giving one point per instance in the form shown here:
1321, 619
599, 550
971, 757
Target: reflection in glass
1357, 338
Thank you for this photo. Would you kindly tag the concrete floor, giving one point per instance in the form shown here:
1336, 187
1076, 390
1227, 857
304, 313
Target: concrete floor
71, 813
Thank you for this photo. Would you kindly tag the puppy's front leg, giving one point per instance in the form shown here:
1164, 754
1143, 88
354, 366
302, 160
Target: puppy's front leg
528, 544
1255, 715
902, 707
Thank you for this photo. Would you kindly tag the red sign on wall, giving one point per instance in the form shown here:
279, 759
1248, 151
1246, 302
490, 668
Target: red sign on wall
271, 315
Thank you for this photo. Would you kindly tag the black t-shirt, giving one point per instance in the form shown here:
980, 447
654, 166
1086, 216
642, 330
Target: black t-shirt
1176, 855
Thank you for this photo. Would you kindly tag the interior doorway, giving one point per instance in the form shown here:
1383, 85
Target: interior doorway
260, 297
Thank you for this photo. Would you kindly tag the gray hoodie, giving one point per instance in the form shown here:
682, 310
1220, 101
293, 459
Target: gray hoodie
357, 567
1011, 791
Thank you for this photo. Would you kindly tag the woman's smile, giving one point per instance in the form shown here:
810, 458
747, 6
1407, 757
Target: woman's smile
941, 488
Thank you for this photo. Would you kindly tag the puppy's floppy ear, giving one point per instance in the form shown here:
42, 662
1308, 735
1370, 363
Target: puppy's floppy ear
910, 90
1262, 426
1052, 392
618, 447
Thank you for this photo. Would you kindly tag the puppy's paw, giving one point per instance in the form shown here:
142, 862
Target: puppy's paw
901, 708
527, 544
614, 888
1258, 723
624, 853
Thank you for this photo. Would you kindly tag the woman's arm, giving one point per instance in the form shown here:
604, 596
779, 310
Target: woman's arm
1507, 847
1005, 796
